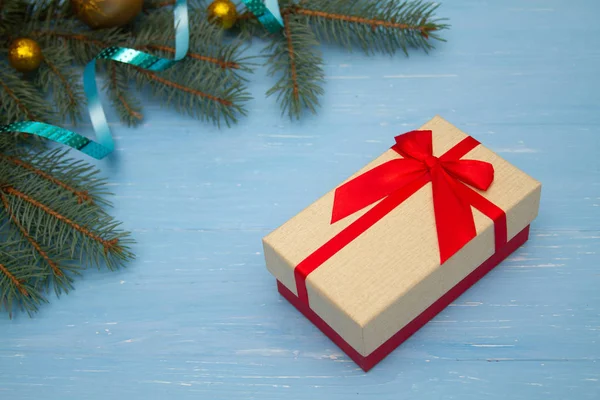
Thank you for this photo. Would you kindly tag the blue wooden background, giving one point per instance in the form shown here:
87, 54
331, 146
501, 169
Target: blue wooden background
197, 316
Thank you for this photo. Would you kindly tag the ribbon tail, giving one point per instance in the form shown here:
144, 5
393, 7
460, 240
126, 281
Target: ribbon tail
373, 186
453, 216
490, 210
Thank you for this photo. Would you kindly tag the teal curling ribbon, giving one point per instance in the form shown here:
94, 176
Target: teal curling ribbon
105, 144
267, 12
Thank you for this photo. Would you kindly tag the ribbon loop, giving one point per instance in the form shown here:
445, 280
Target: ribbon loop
373, 186
476, 173
415, 144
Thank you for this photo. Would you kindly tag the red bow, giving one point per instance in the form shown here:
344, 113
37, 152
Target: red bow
395, 181
451, 198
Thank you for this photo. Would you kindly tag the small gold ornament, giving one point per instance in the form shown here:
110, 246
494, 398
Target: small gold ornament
222, 13
25, 55
98, 14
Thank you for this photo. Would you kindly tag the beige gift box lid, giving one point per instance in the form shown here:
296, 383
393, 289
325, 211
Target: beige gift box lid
391, 273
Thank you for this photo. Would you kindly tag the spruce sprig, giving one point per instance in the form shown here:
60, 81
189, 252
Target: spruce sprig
21, 99
295, 57
371, 25
17, 277
208, 84
53, 224
118, 85
57, 76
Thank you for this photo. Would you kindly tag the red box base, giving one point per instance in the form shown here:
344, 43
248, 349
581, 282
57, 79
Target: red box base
368, 362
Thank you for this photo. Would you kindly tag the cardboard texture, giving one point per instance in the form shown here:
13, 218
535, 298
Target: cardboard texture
390, 274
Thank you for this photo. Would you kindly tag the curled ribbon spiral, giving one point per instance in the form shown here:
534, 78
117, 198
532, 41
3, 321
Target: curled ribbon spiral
105, 144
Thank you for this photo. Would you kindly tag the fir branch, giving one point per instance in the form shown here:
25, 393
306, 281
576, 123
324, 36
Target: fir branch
107, 244
249, 26
189, 92
129, 108
16, 277
83, 45
56, 227
299, 63
50, 210
75, 37
374, 26
20, 100
56, 76
185, 89
292, 56
221, 63
374, 23
56, 266
16, 283
208, 83
156, 32
79, 180
11, 12
51, 205
48, 11
83, 196
27, 236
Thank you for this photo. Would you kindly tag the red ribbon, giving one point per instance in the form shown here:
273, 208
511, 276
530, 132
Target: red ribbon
394, 181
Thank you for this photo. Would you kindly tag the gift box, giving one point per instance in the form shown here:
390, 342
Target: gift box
375, 259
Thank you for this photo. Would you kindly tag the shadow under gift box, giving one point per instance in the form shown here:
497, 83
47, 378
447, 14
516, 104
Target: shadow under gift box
386, 283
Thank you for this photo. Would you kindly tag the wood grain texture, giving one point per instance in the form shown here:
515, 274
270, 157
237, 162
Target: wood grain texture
197, 316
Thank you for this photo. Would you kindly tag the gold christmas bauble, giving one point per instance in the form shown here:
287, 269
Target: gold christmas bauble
99, 14
25, 55
222, 13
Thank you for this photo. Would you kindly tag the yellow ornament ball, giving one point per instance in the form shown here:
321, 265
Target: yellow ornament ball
25, 55
222, 13
99, 14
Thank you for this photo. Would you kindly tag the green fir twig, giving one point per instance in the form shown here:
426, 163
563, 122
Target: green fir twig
298, 62
374, 26
52, 213
371, 25
57, 77
20, 99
